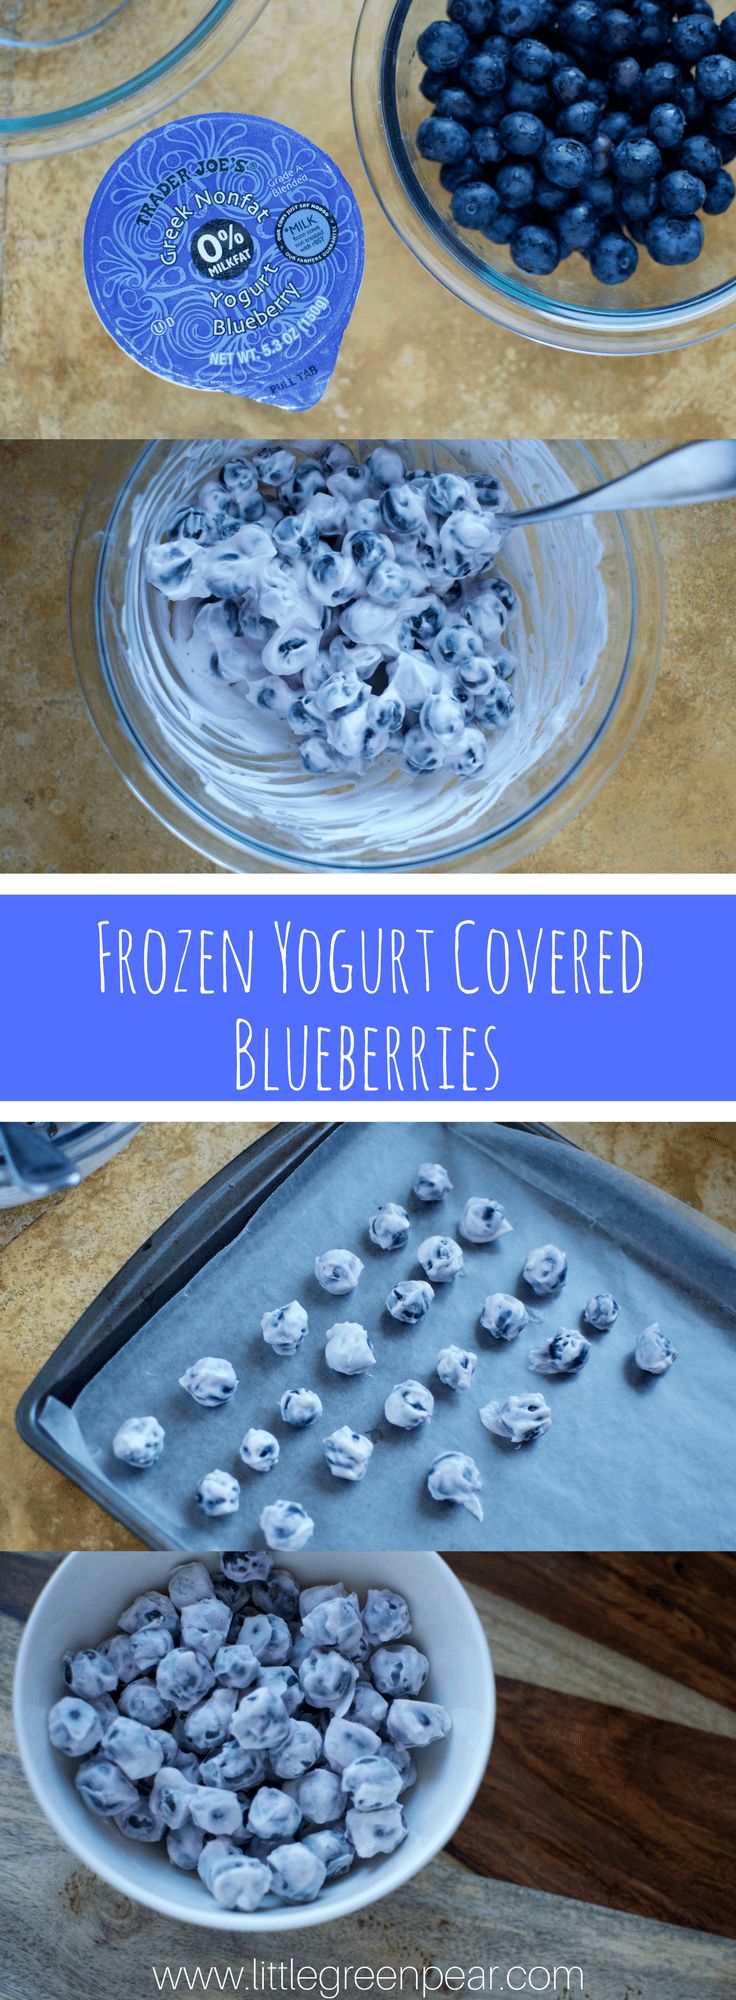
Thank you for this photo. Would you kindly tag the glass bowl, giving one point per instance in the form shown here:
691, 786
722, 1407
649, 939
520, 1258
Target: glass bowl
586, 637
657, 309
77, 71
86, 1146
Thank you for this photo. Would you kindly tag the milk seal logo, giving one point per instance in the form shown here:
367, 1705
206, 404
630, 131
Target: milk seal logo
226, 252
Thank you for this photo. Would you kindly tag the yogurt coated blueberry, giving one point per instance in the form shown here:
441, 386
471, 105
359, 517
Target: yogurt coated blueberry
259, 1450
139, 1442
211, 1381
454, 1476
441, 1257
432, 1181
409, 1405
456, 1367
337, 1271
189, 1583
316, 596
348, 1351
483, 1220
348, 1453
601, 1311
286, 1525
218, 1493
563, 1354
654, 1351
300, 1407
410, 1300
504, 1316
284, 1328
518, 1419
545, 1270
266, 1786
389, 1227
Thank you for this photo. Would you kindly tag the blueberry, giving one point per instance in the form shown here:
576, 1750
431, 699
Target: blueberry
581, 24
659, 83
442, 139
443, 45
639, 203
637, 160
460, 174
715, 77
652, 25
472, 208
618, 32
550, 198
614, 126
531, 59
521, 133
667, 125
566, 162
674, 239
694, 37
486, 148
484, 74
720, 193
433, 81
515, 184
700, 156
681, 193
724, 117
613, 258
580, 121
569, 84
578, 226
474, 15
519, 17
457, 104
727, 32
523, 96
601, 153
501, 229
624, 76
602, 194
535, 249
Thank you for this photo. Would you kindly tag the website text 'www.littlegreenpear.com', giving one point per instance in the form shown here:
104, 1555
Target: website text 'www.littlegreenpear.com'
331, 1982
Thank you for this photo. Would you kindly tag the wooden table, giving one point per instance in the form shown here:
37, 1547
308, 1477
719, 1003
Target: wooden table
604, 1836
56, 1256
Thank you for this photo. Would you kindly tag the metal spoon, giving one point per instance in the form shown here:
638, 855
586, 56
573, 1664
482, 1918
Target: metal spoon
685, 477
34, 1162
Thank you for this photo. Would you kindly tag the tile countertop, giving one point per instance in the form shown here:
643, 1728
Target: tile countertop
669, 806
61, 375
55, 1258
601, 1839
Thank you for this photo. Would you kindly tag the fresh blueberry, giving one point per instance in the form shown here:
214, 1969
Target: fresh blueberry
624, 76
569, 84
581, 24
681, 193
485, 147
474, 15
720, 193
639, 203
727, 32
515, 184
637, 160
659, 83
613, 258
535, 249
532, 59
578, 226
724, 118
455, 103
443, 45
566, 162
519, 17
522, 134
484, 74
715, 77
550, 198
443, 139
580, 121
523, 96
699, 155
460, 174
674, 239
501, 229
614, 125
618, 32
472, 207
602, 194
667, 125
694, 37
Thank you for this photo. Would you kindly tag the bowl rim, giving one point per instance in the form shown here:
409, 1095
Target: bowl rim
291, 1917
207, 835
91, 120
462, 272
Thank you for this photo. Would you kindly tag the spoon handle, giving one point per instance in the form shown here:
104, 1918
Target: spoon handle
692, 473
34, 1163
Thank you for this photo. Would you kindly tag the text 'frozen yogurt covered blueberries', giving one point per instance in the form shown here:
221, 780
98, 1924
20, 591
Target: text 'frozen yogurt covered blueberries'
226, 252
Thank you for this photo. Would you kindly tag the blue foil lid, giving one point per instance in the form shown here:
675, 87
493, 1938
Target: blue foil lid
226, 252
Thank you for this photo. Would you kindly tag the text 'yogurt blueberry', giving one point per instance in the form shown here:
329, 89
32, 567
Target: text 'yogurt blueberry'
226, 252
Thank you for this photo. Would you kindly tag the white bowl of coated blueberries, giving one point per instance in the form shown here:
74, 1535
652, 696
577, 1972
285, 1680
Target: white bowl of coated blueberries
358, 1789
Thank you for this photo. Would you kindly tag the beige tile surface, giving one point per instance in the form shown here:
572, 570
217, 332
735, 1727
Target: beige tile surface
415, 361
670, 805
55, 1258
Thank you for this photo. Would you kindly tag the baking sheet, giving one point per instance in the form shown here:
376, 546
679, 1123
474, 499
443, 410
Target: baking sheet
629, 1463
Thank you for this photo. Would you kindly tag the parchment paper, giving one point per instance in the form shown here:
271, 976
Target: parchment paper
630, 1462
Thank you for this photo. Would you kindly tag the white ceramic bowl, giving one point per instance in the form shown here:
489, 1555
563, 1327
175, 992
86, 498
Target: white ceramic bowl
80, 1606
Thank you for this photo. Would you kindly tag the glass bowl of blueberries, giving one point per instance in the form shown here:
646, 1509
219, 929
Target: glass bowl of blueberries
328, 656
79, 71
563, 166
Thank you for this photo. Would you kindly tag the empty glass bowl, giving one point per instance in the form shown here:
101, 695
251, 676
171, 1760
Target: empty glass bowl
229, 780
655, 310
76, 71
